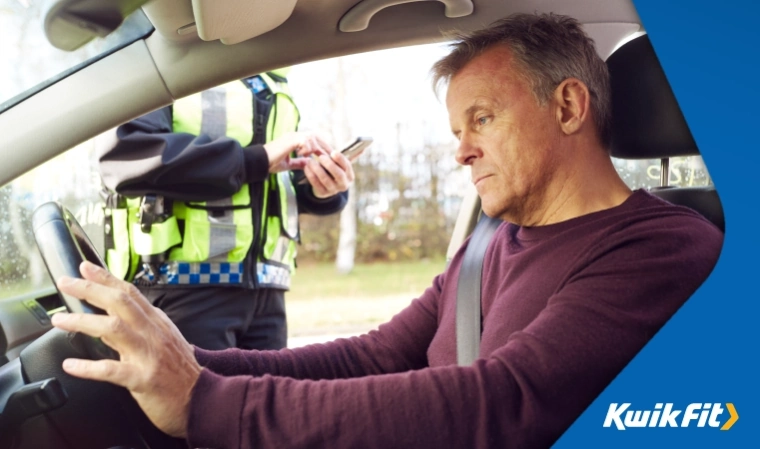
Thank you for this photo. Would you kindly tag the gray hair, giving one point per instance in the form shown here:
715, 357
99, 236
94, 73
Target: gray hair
549, 48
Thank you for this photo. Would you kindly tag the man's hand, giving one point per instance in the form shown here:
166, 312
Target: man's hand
303, 144
156, 364
329, 174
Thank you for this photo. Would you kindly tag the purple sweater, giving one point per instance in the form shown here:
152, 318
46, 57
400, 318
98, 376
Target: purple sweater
565, 308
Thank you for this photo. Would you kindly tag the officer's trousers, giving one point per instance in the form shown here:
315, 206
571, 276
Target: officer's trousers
213, 317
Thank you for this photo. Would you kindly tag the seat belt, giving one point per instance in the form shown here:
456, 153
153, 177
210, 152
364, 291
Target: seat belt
468, 315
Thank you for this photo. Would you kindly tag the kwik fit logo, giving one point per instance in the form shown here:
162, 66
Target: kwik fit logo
696, 414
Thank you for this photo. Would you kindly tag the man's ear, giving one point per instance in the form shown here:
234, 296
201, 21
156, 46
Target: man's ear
573, 105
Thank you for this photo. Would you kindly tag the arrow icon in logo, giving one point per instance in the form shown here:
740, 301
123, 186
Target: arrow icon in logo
734, 416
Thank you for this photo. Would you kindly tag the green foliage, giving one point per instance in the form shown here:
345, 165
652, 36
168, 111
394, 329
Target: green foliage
319, 238
420, 233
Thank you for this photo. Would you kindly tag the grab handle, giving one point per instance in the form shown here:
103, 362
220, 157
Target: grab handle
358, 17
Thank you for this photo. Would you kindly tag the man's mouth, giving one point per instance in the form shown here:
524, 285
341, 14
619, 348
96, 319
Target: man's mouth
477, 179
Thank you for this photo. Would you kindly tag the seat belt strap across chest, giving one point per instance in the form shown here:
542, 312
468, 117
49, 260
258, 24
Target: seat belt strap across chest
468, 313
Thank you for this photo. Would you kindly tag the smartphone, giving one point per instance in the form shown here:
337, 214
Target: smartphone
355, 148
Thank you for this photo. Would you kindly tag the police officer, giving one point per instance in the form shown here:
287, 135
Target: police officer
202, 203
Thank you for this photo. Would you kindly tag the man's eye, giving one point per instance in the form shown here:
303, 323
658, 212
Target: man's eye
482, 120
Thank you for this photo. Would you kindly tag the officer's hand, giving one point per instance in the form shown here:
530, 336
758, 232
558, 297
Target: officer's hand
303, 144
329, 174
155, 364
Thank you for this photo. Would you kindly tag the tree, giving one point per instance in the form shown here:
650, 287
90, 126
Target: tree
344, 258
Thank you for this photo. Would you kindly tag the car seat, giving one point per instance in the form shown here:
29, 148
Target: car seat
648, 124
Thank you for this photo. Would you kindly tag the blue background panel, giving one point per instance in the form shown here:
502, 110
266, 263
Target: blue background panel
708, 351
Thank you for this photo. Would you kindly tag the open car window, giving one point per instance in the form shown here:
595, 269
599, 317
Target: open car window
338, 98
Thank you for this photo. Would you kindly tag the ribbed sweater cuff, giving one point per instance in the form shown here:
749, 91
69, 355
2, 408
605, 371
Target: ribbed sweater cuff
203, 356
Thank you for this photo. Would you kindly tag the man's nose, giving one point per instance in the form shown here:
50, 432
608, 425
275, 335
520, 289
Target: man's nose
467, 151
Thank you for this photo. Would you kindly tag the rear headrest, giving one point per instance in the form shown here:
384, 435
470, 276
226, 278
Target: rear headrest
647, 122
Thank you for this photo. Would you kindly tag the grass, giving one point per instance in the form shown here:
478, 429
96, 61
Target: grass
321, 301
366, 280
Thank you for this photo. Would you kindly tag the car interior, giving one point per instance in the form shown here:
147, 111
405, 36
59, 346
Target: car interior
197, 45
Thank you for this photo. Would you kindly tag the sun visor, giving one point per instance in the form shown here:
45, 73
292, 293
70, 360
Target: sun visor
233, 21
358, 17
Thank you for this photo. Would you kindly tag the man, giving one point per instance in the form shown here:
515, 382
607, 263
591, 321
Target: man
204, 223
579, 277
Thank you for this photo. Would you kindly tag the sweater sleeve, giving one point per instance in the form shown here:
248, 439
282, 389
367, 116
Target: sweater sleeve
438, 407
525, 393
148, 158
397, 346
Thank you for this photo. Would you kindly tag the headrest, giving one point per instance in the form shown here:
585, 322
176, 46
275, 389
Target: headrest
647, 122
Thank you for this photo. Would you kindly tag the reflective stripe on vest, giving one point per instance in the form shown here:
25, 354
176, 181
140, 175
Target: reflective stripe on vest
201, 273
281, 234
280, 243
122, 260
214, 230
118, 258
189, 113
270, 274
279, 246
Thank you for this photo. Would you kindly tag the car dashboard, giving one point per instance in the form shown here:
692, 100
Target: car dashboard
25, 318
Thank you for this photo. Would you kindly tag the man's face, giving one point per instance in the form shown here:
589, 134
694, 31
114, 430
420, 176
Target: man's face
507, 138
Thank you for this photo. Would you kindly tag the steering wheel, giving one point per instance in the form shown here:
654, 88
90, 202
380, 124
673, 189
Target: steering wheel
73, 413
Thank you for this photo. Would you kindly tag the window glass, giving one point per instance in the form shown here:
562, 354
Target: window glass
405, 198
408, 186
70, 178
29, 61
645, 173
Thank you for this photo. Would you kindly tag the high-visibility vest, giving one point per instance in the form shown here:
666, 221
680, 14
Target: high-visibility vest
219, 244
